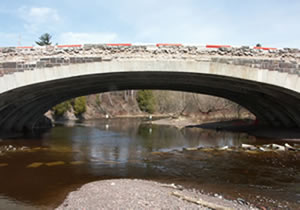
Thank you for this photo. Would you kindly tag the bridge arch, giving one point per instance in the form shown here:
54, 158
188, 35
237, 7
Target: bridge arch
271, 96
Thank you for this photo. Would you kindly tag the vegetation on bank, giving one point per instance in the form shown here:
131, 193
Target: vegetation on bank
146, 101
62, 108
77, 104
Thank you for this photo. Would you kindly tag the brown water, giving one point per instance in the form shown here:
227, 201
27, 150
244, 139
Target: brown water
71, 155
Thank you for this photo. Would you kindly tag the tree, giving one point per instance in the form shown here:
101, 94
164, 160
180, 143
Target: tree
44, 40
79, 105
60, 109
146, 101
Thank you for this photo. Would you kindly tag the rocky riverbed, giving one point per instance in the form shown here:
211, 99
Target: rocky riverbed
10, 148
141, 194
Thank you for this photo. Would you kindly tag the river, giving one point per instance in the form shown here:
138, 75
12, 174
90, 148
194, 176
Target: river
43, 170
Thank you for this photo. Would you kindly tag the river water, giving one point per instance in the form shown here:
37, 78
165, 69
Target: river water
43, 170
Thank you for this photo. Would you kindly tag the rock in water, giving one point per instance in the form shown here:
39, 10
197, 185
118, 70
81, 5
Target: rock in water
278, 147
248, 147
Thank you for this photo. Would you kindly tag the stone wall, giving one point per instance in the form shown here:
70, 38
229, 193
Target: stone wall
15, 59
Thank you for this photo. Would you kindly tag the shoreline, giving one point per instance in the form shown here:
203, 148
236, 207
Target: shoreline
228, 125
236, 126
179, 122
246, 126
144, 194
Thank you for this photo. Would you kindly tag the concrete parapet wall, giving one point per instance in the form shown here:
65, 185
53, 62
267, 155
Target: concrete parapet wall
21, 59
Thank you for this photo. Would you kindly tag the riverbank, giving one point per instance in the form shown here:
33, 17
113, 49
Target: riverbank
178, 122
141, 194
237, 125
248, 126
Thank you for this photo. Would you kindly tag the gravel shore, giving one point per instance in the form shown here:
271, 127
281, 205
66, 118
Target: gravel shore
141, 194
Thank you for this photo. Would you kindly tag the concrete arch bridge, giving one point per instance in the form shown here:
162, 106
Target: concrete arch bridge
265, 81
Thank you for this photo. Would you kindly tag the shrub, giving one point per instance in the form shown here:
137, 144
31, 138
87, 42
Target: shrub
79, 105
61, 108
146, 101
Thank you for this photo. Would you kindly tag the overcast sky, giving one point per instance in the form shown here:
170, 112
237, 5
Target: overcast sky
273, 23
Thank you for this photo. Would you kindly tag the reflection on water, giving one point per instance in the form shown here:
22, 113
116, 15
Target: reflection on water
74, 154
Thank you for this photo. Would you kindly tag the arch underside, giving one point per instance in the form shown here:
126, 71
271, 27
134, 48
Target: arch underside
273, 106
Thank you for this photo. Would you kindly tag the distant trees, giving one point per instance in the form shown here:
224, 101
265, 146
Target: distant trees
146, 101
44, 40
